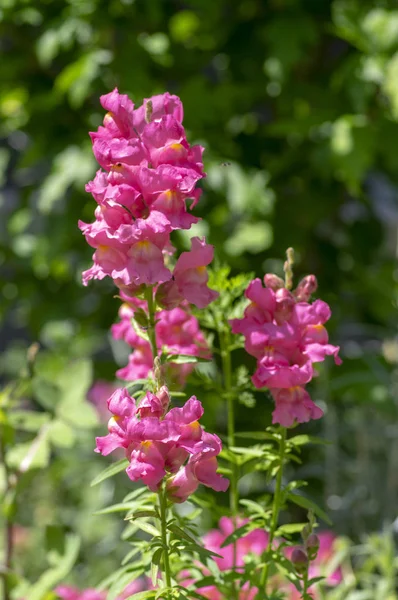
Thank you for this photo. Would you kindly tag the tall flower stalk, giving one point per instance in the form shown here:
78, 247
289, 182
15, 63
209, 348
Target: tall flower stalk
149, 173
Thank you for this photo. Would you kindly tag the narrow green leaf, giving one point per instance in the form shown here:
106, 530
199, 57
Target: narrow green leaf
147, 527
181, 533
289, 528
110, 471
237, 534
301, 440
145, 513
309, 504
156, 558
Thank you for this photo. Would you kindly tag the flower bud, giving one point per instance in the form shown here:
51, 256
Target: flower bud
305, 288
299, 560
273, 282
148, 111
168, 295
312, 545
306, 532
157, 370
164, 397
284, 305
131, 290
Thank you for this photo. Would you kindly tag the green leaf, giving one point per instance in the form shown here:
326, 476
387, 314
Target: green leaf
180, 533
289, 529
156, 558
302, 439
46, 393
58, 572
80, 414
121, 582
28, 420
145, 513
77, 77
31, 455
240, 532
142, 595
310, 505
117, 467
61, 435
390, 86
181, 359
147, 527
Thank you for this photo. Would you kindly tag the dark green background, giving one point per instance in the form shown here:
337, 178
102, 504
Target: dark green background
296, 103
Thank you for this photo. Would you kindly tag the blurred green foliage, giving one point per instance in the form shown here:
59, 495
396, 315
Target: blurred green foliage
296, 102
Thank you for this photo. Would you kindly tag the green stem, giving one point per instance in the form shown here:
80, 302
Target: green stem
276, 506
163, 526
8, 529
305, 585
157, 374
151, 320
225, 348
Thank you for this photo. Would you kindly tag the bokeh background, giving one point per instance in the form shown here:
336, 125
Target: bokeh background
296, 102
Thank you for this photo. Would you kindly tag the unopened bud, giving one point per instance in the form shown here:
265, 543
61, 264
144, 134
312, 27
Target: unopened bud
168, 295
312, 545
273, 282
148, 111
288, 268
306, 532
299, 560
305, 288
284, 305
164, 397
157, 371
130, 291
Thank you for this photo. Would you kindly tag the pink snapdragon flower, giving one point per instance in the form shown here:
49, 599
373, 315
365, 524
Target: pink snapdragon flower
177, 332
66, 592
286, 334
150, 172
163, 445
190, 277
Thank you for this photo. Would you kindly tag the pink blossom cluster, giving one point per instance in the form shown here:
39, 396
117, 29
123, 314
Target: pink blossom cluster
163, 444
67, 592
149, 172
286, 334
177, 332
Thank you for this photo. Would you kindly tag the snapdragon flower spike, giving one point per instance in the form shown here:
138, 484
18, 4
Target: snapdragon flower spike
150, 172
160, 445
286, 334
177, 332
